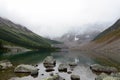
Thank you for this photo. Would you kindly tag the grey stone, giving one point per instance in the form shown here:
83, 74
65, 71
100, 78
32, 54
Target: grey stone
104, 76
49, 69
69, 72
62, 68
72, 64
105, 69
34, 72
49, 61
75, 77
26, 69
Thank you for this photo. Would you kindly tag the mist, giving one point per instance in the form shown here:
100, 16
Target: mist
53, 18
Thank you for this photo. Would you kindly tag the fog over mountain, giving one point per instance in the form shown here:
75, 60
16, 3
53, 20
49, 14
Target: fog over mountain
53, 18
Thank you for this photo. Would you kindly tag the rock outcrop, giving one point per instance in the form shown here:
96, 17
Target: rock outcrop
75, 77
100, 68
26, 69
49, 62
113, 76
63, 68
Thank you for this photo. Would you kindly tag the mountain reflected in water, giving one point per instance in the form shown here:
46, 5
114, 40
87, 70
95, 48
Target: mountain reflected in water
31, 57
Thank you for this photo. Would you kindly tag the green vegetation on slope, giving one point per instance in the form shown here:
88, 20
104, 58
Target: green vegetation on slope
14, 34
2, 49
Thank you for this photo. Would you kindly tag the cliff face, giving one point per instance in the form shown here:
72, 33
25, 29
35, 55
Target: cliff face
18, 35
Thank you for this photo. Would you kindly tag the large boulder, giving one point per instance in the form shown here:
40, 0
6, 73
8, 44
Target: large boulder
104, 76
63, 68
75, 77
5, 64
49, 62
26, 69
105, 69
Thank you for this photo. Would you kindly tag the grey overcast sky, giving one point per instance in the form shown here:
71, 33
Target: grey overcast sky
56, 17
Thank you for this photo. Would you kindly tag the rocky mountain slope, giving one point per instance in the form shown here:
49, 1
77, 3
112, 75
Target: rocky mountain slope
74, 39
18, 35
106, 43
110, 35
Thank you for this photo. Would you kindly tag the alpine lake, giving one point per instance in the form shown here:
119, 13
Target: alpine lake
83, 60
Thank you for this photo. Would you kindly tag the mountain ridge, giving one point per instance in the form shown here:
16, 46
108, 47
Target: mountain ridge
114, 29
106, 43
19, 35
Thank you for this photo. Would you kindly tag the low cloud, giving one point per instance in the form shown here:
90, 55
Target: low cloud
54, 18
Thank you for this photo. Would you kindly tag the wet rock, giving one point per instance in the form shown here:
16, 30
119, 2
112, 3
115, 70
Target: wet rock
69, 72
5, 64
105, 69
104, 76
62, 68
75, 77
26, 69
49, 62
72, 64
34, 73
49, 69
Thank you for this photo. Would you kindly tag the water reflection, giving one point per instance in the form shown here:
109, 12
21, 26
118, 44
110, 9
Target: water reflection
32, 57
74, 56
36, 57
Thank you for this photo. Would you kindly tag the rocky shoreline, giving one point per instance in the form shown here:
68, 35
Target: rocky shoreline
105, 72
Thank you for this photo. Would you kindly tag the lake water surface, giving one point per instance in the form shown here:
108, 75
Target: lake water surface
35, 57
